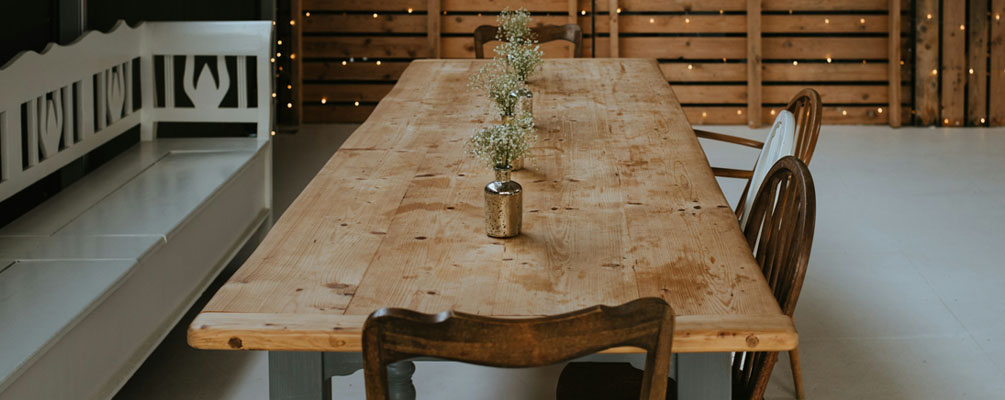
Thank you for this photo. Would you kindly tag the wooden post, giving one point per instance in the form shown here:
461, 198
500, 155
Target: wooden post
296, 67
996, 106
754, 63
977, 73
926, 67
893, 63
433, 27
954, 48
612, 11
573, 19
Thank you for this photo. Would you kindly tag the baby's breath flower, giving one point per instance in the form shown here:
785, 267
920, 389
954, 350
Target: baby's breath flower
514, 26
501, 84
500, 145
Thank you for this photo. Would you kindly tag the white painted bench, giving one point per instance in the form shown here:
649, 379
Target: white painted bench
93, 278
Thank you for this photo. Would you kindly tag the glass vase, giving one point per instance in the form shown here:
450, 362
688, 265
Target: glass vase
503, 205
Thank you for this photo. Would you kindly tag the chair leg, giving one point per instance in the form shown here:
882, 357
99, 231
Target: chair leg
797, 373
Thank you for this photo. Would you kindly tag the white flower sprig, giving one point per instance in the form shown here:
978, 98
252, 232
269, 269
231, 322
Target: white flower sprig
502, 86
500, 145
519, 50
514, 26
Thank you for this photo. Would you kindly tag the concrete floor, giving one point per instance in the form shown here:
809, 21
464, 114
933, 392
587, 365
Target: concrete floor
903, 298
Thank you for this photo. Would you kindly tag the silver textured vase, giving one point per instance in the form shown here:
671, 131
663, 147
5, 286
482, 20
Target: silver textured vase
527, 101
503, 205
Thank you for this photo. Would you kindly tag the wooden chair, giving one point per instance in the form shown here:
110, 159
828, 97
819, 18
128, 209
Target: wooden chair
779, 143
391, 335
545, 33
807, 110
780, 232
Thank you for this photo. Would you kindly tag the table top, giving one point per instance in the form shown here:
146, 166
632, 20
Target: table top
619, 203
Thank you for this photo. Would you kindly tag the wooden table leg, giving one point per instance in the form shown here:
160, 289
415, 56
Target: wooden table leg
704, 376
307, 375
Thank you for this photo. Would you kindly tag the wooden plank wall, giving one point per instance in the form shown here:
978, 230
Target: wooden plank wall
354, 50
959, 63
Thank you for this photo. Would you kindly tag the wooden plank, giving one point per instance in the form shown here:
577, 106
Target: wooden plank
893, 62
365, 23
821, 72
366, 46
716, 115
926, 67
395, 219
733, 48
826, 23
996, 105
829, 94
337, 113
574, 19
613, 28
832, 5
841, 115
977, 71
654, 23
433, 29
704, 72
466, 24
740, 5
711, 94
346, 92
351, 71
754, 70
364, 5
954, 56
557, 6
854, 48
464, 47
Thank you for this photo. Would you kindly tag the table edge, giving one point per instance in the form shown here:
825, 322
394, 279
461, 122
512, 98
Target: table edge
341, 333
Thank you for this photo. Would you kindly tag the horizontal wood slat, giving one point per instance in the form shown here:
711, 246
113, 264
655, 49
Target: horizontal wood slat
363, 5
336, 114
347, 92
359, 70
372, 47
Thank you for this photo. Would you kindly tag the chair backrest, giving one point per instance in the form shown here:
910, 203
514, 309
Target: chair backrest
780, 232
392, 335
545, 33
807, 110
76, 97
779, 143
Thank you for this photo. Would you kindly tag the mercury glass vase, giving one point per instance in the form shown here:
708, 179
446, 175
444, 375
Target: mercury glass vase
503, 205
527, 101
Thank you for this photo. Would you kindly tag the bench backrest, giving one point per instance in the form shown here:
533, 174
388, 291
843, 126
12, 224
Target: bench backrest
57, 105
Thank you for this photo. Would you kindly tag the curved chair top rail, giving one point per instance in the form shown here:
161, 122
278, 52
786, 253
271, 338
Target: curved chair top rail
62, 103
808, 111
392, 335
545, 33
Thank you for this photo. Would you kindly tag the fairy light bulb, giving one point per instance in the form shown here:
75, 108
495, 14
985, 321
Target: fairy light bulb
292, 22
844, 112
935, 72
687, 20
289, 105
410, 10
278, 54
982, 120
355, 103
324, 100
971, 71
739, 112
378, 63
307, 14
289, 87
794, 62
690, 67
293, 56
652, 20
344, 63
272, 59
619, 10
582, 12
861, 21
772, 112
827, 20
273, 133
704, 114
879, 110
279, 42
929, 16
963, 27
375, 15
273, 95
829, 60
945, 121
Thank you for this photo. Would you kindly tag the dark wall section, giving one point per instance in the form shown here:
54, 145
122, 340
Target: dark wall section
26, 25
102, 14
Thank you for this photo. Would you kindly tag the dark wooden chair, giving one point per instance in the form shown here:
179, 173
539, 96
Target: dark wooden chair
780, 232
391, 335
545, 33
807, 110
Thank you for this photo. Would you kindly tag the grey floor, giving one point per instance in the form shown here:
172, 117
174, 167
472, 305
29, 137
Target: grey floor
903, 299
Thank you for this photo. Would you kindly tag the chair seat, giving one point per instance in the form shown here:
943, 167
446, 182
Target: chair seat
604, 381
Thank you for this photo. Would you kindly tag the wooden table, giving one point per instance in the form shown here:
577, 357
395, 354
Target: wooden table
619, 203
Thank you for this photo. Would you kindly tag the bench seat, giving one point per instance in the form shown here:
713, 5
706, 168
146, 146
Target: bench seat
92, 279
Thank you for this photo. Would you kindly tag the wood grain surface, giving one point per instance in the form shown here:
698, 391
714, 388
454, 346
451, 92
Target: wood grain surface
620, 203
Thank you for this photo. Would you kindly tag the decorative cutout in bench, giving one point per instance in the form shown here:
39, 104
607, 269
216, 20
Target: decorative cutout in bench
59, 105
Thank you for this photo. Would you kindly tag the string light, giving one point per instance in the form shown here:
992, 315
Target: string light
901, 62
652, 20
344, 63
356, 103
794, 62
307, 14
273, 133
293, 56
844, 112
971, 71
772, 112
582, 12
739, 112
273, 95
828, 60
945, 121
292, 22
289, 105
704, 114
272, 59
929, 16
687, 20
273, 23
279, 42
864, 61
827, 20
879, 110
721, 11
324, 100
410, 10
690, 67
289, 87
444, 12
935, 72
861, 21
619, 10
963, 27
998, 17
278, 54
378, 62
982, 120
280, 67
375, 15
724, 59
